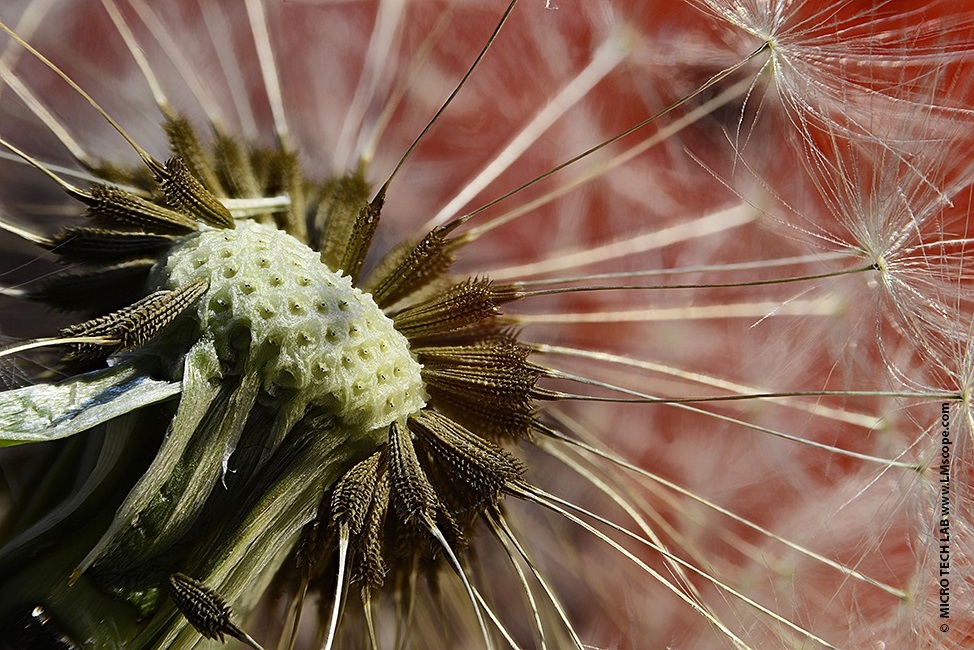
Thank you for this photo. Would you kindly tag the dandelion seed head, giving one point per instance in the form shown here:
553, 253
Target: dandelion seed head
764, 495
299, 317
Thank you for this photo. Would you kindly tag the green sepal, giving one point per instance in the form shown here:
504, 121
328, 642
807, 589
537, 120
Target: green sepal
46, 412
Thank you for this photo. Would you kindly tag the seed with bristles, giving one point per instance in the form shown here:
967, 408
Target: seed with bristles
338, 209
414, 499
100, 244
488, 386
234, 168
186, 194
206, 610
112, 205
134, 325
369, 546
286, 177
476, 469
363, 229
412, 266
353, 494
185, 144
469, 302
413, 496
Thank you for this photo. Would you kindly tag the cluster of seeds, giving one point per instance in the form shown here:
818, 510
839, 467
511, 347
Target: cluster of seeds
304, 328
262, 318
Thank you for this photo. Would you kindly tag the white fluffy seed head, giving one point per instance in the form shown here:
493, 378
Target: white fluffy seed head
306, 330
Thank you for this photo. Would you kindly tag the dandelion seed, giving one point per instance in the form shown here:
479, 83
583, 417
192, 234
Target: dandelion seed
492, 429
205, 610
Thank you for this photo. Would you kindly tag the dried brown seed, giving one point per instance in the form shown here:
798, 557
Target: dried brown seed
469, 302
512, 385
487, 386
476, 468
412, 266
412, 495
113, 205
360, 239
185, 193
185, 144
501, 349
134, 325
284, 177
486, 418
234, 168
206, 610
99, 244
371, 568
338, 209
413, 498
353, 493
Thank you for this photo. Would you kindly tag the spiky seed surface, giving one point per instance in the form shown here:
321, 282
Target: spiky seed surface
477, 468
205, 609
353, 494
312, 331
289, 180
234, 169
338, 209
363, 229
112, 205
461, 305
488, 386
185, 144
136, 324
413, 496
371, 568
412, 266
185, 193
101, 244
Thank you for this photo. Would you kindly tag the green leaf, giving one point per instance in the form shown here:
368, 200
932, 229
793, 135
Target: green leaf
50, 411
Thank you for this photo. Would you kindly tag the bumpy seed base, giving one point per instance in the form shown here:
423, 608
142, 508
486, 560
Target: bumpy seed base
306, 329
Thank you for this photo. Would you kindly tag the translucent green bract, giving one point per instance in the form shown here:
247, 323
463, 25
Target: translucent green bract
50, 411
303, 328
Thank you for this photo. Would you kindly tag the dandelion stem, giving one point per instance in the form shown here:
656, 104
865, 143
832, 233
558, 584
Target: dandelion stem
708, 225
760, 310
557, 374
381, 40
139, 55
502, 527
52, 341
455, 563
609, 55
268, 69
753, 265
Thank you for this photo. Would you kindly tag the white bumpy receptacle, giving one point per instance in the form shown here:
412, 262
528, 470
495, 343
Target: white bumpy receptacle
306, 330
